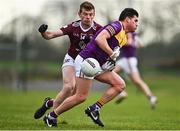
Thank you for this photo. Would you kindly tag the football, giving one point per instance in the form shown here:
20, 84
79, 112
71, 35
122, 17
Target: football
90, 67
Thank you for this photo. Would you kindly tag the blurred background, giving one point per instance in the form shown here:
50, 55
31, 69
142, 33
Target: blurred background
27, 61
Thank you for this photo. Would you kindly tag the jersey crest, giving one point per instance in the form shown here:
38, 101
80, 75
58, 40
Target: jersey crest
76, 24
94, 26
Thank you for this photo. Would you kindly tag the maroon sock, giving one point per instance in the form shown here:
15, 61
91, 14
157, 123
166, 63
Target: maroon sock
50, 103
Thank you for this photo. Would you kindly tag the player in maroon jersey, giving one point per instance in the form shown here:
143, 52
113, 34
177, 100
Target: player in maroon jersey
80, 33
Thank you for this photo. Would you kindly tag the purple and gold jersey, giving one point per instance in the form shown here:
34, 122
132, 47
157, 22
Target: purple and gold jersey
118, 38
129, 50
78, 36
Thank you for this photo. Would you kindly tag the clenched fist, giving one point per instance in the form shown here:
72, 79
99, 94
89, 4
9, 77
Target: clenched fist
43, 28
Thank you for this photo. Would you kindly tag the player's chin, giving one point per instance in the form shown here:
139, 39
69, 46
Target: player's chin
133, 30
88, 23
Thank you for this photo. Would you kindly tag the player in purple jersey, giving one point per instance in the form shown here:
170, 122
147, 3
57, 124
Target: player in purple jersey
104, 48
128, 63
79, 32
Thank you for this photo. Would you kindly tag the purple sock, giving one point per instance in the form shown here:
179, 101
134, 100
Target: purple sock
94, 107
52, 114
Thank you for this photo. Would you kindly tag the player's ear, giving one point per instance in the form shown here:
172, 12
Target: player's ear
78, 13
128, 19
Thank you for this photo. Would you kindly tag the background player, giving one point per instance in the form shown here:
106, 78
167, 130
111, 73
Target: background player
103, 47
128, 63
80, 32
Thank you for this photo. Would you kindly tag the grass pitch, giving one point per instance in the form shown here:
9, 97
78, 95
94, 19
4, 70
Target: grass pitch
17, 109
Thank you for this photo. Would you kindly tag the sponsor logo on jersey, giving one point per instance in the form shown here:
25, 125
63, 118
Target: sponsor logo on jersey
82, 44
75, 34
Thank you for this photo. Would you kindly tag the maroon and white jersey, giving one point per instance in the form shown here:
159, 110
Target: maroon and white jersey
78, 36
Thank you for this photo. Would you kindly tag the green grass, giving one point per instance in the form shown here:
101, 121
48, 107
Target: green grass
17, 109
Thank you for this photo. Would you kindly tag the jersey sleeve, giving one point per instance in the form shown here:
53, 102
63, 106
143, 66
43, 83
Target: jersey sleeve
66, 29
114, 28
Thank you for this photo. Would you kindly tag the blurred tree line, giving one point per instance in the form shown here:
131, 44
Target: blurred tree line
160, 55
22, 43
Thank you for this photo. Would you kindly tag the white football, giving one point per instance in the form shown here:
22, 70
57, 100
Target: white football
90, 67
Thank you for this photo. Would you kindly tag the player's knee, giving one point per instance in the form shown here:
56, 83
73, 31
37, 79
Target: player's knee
69, 87
120, 86
80, 98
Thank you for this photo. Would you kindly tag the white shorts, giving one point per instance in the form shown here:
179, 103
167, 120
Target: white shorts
79, 73
68, 61
129, 65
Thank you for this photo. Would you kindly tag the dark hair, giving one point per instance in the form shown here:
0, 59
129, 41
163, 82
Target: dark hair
128, 12
86, 5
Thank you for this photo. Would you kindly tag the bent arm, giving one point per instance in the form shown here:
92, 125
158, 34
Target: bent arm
101, 41
139, 42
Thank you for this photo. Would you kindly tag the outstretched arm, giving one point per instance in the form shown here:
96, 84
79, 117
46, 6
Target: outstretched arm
49, 34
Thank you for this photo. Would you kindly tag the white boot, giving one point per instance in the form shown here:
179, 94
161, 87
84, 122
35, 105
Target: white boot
153, 101
123, 95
